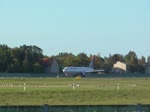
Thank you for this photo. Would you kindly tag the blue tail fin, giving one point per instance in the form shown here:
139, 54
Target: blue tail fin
92, 62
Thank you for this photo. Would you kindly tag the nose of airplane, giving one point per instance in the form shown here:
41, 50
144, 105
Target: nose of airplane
63, 70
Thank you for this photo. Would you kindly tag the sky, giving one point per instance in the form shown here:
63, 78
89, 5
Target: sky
91, 26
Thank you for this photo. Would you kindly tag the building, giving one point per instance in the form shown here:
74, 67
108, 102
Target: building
120, 67
51, 65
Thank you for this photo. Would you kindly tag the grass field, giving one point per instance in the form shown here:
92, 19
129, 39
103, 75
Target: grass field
72, 91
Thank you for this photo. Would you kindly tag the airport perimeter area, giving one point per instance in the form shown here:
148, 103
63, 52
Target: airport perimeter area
74, 91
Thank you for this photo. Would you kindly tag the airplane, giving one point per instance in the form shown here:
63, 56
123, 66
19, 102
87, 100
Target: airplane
81, 71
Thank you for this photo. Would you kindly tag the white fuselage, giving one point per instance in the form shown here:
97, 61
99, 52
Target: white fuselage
81, 70
75, 70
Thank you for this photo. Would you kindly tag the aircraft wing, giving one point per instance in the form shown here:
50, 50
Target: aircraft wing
95, 71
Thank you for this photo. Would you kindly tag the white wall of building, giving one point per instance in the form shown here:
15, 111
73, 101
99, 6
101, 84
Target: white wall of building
120, 67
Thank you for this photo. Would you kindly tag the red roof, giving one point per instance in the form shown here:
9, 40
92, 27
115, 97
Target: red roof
47, 61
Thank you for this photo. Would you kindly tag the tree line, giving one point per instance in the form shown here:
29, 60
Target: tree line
25, 59
28, 59
137, 65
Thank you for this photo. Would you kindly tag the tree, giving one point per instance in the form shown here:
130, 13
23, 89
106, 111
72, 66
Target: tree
132, 60
5, 58
108, 62
142, 61
26, 64
117, 57
14, 67
148, 60
68, 61
99, 62
141, 65
83, 59
37, 68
